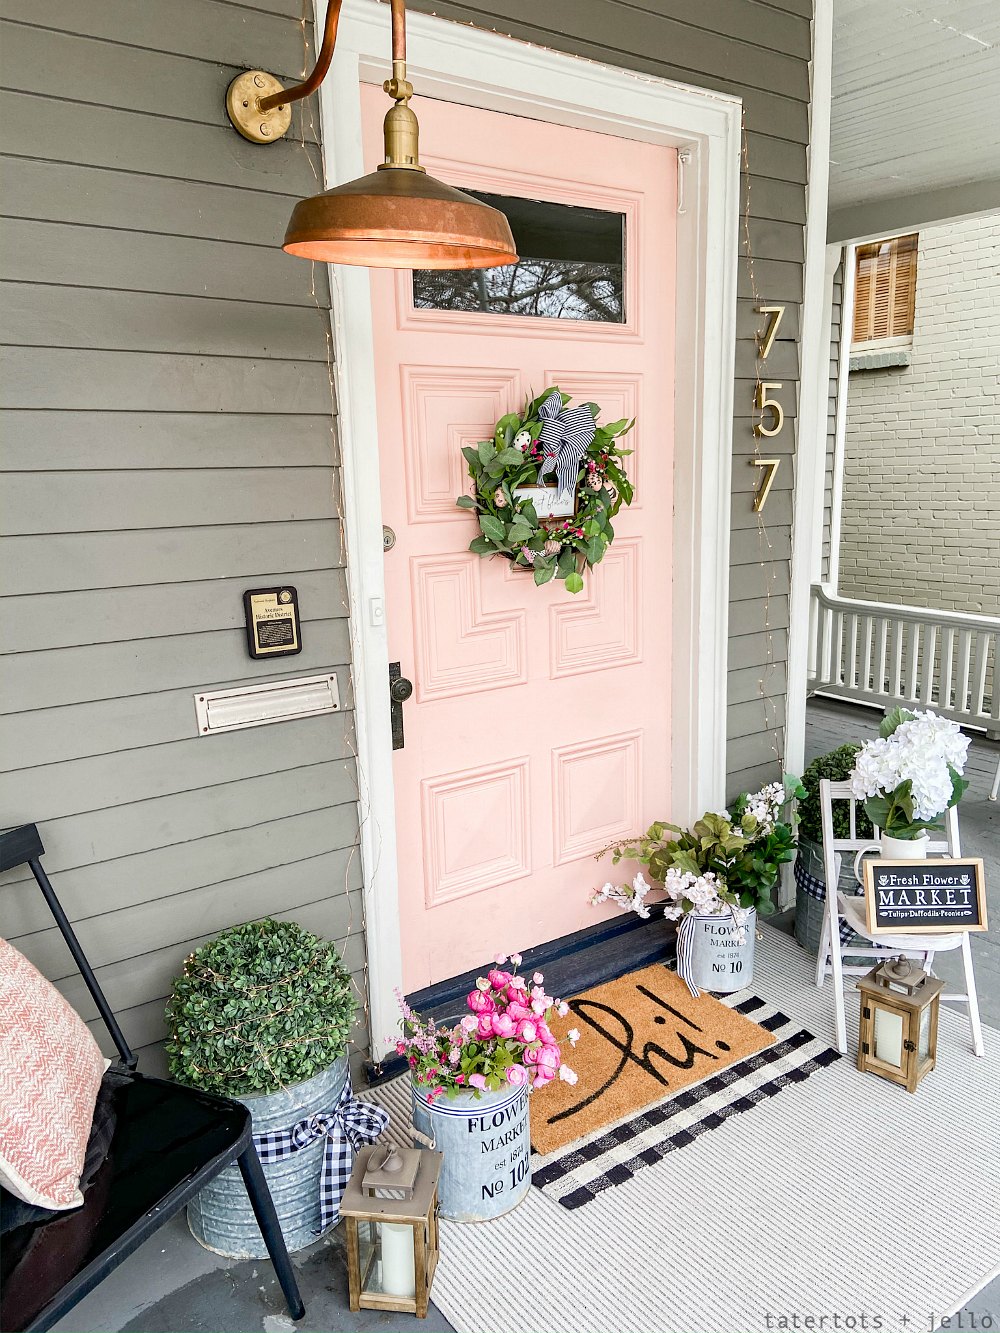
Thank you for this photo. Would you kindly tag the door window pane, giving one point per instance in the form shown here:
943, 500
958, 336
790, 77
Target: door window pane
571, 266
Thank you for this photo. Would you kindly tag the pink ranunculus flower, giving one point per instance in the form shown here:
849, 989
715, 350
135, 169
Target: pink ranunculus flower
477, 1081
567, 1075
469, 1023
517, 1076
538, 978
515, 958
519, 1012
544, 1035
548, 1058
542, 1076
500, 959
530, 1056
503, 1025
538, 1007
485, 1028
527, 1030
497, 979
481, 1003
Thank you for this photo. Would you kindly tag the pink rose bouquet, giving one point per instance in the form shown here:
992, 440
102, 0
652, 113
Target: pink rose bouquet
503, 1041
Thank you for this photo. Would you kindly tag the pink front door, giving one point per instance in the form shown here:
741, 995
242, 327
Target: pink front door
539, 726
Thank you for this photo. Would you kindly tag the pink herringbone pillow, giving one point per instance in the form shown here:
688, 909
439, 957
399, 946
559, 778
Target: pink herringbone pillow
50, 1074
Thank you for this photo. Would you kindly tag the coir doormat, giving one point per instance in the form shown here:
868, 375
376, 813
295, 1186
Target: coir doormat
643, 1037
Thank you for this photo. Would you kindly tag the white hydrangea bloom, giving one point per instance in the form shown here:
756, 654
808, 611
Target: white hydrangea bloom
920, 751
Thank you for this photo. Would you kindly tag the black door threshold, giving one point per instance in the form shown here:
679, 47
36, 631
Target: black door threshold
571, 964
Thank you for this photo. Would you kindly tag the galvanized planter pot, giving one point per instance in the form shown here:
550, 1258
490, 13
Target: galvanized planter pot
220, 1217
809, 910
722, 951
486, 1144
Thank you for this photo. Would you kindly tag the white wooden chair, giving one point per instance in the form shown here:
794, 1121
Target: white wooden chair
851, 909
995, 789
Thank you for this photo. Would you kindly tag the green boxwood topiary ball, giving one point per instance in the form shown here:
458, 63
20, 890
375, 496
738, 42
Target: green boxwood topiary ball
837, 766
260, 1007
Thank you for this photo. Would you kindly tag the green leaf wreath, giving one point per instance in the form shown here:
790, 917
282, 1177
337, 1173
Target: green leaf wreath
554, 548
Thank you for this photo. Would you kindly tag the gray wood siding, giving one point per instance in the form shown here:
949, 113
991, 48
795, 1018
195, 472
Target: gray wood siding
836, 317
167, 442
760, 51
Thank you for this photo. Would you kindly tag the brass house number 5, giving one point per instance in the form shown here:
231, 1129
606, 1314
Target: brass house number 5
772, 414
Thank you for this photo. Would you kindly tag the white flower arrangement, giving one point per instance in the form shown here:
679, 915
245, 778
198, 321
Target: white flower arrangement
725, 864
911, 772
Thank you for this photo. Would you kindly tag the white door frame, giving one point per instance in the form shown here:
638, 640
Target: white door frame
463, 64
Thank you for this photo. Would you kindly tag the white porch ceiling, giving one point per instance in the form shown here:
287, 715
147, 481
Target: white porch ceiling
916, 97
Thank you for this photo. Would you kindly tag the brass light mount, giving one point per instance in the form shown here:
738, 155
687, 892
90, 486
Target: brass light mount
243, 106
259, 105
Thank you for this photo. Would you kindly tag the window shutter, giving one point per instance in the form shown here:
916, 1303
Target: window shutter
904, 286
884, 289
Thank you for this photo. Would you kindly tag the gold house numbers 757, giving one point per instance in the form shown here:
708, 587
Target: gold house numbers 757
772, 414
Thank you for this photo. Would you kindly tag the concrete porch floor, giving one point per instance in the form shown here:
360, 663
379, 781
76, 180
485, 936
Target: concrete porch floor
172, 1285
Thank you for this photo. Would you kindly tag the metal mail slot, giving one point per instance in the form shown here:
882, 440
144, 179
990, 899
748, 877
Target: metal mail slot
259, 705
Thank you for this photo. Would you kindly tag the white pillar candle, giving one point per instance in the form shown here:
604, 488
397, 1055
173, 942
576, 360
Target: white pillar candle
889, 1037
397, 1260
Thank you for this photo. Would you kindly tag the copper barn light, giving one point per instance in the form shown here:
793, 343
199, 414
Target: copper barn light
397, 217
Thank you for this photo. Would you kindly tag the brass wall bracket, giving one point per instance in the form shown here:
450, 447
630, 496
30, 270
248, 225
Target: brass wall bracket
243, 98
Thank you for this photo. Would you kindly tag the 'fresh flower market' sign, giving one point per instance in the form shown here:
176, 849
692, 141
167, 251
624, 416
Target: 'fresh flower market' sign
936, 896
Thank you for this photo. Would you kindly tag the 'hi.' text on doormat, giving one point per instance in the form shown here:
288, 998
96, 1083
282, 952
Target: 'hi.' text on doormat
642, 1038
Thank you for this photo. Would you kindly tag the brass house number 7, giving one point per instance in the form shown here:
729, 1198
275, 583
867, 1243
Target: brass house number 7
765, 404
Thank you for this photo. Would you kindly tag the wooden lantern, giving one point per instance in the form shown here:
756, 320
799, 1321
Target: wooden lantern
392, 1242
899, 1022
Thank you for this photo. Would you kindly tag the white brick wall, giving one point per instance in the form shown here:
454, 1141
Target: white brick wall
921, 504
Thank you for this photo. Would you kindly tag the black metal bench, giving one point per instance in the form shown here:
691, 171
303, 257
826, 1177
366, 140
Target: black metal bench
164, 1143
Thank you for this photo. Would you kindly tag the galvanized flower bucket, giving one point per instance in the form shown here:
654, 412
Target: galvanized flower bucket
721, 957
486, 1144
220, 1216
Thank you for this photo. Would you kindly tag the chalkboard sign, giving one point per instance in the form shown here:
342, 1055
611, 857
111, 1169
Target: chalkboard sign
937, 896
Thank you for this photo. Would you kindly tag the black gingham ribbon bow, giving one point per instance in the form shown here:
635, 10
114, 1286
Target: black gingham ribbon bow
567, 433
349, 1126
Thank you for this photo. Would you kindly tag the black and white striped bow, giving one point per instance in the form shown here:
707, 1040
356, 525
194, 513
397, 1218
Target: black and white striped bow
567, 433
349, 1126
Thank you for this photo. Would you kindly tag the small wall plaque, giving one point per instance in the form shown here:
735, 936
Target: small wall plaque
272, 619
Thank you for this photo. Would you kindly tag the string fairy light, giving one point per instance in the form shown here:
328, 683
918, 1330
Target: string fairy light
354, 771
767, 561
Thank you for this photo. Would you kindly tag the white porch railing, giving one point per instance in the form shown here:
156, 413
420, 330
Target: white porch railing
876, 653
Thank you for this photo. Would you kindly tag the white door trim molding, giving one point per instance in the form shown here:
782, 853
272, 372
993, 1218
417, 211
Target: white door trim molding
459, 63
814, 379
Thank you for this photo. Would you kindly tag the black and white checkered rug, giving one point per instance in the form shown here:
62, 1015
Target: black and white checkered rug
575, 1175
